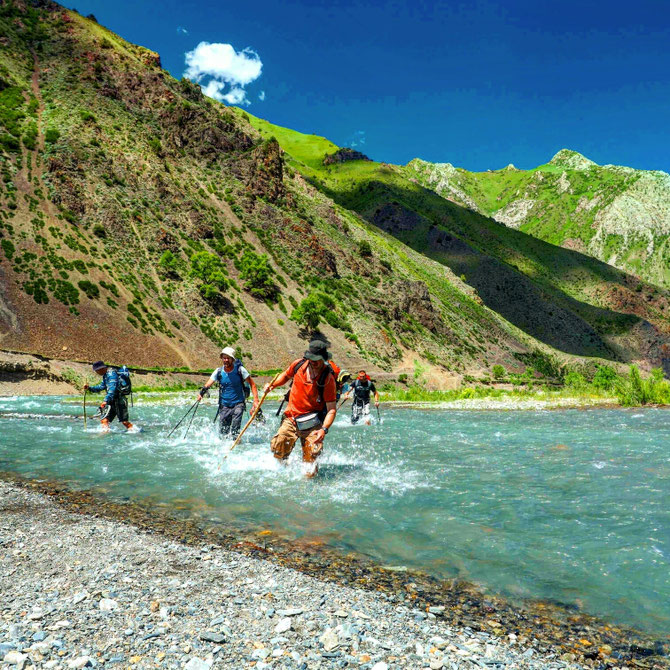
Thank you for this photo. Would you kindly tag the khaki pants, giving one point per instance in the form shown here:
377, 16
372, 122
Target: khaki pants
283, 442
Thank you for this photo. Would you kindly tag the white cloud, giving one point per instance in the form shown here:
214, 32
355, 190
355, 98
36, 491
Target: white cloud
181, 30
357, 139
261, 96
220, 64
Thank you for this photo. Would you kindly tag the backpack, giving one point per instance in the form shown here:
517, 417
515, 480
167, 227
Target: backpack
246, 387
125, 383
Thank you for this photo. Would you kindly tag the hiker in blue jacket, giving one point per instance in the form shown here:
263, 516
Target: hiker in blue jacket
115, 404
232, 377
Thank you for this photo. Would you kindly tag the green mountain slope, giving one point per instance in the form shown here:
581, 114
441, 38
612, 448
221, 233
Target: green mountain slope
146, 224
565, 299
616, 214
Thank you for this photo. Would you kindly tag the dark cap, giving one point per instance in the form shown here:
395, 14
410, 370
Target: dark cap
98, 365
318, 351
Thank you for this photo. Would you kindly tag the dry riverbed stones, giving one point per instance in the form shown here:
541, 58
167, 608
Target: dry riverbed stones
84, 592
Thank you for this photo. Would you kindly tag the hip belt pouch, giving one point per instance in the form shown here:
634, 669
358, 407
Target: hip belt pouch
307, 421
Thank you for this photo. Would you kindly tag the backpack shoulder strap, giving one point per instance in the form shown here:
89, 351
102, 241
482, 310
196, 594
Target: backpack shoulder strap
297, 367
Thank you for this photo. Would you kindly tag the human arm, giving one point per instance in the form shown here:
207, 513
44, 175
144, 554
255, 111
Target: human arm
111, 383
254, 392
376, 392
208, 385
279, 381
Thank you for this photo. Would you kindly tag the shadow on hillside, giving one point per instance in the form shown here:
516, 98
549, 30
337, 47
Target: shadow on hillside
487, 254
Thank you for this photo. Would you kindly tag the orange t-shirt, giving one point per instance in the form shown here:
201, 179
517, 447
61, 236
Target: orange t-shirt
304, 397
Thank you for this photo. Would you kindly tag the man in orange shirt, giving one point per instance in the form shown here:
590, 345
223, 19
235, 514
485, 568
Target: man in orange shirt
312, 405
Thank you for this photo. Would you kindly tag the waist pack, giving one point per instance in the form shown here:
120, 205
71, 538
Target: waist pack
308, 421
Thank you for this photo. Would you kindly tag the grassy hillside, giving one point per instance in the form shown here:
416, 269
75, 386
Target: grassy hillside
565, 299
143, 223
616, 214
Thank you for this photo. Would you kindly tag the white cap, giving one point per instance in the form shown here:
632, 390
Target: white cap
228, 351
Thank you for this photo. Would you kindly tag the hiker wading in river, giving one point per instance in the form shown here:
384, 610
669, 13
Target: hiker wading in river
361, 388
117, 387
311, 407
231, 377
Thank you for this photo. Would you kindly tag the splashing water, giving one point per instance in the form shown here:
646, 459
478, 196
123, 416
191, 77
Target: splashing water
568, 505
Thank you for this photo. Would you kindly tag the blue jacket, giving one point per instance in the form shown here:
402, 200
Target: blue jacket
109, 383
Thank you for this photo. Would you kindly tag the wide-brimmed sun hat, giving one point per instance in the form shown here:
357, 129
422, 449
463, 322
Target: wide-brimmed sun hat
98, 365
318, 351
228, 351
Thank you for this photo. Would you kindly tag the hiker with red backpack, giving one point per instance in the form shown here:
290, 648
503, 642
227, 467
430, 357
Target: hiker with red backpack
235, 383
312, 405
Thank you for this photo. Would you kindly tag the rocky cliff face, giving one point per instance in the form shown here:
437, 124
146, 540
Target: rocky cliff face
616, 214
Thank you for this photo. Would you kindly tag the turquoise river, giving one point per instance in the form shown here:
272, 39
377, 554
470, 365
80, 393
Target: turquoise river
567, 505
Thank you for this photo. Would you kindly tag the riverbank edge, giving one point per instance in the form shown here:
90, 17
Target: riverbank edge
555, 630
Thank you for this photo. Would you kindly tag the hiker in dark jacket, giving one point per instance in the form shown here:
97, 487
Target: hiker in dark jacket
115, 404
231, 378
361, 388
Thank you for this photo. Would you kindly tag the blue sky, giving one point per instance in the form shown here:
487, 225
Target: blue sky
478, 84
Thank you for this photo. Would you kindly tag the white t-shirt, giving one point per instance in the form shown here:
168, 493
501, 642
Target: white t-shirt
243, 371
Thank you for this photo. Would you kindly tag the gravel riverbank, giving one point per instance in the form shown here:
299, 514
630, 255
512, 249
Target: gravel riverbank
78, 590
81, 591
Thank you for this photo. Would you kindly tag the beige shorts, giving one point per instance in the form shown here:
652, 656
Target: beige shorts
283, 442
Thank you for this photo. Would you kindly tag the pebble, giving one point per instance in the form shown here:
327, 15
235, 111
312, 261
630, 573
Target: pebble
217, 638
108, 604
329, 639
283, 625
80, 662
290, 612
380, 666
197, 664
15, 658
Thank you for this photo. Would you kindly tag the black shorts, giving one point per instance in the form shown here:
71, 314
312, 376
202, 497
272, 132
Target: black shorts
119, 409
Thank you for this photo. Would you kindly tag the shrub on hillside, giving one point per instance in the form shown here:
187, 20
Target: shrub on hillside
256, 273
89, 288
208, 268
498, 372
364, 248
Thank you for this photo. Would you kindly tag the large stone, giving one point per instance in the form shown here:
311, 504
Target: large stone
329, 640
283, 625
197, 664
15, 658
108, 605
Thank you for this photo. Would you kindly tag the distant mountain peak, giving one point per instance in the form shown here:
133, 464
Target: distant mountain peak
571, 160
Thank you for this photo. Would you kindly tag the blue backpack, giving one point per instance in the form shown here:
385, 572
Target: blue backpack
245, 385
125, 384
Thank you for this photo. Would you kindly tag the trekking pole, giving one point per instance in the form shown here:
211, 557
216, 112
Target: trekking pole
84, 409
195, 411
252, 417
342, 403
378, 416
183, 417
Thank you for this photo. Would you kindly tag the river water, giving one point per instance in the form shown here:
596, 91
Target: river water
567, 505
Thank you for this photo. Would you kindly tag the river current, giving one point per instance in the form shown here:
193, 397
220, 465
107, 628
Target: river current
570, 505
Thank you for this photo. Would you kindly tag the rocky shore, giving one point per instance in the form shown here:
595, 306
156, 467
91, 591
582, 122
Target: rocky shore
83, 589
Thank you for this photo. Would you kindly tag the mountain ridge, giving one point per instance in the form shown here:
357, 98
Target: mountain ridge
617, 214
146, 222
